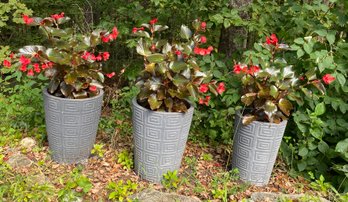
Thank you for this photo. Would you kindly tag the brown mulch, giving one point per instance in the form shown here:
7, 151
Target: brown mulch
101, 171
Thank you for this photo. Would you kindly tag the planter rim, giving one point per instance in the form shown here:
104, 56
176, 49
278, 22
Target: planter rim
239, 114
135, 102
101, 93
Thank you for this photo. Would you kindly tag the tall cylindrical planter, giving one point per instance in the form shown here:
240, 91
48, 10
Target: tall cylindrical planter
255, 149
71, 126
159, 140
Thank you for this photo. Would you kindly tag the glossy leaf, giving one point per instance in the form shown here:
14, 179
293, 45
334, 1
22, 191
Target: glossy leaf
66, 89
247, 119
285, 106
185, 32
142, 48
53, 86
179, 80
248, 98
80, 95
154, 103
177, 66
274, 91
169, 103
155, 58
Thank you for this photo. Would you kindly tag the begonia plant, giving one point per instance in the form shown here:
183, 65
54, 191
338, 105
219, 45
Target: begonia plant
72, 61
171, 72
269, 83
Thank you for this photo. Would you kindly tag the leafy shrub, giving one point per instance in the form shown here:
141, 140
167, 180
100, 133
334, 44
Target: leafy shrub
120, 191
125, 158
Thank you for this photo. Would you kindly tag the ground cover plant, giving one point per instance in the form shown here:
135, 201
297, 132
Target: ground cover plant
314, 149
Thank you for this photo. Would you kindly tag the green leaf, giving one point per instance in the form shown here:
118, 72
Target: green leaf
169, 103
142, 34
80, 95
70, 78
341, 79
66, 89
342, 148
248, 98
29, 51
159, 28
299, 41
270, 108
274, 91
63, 20
101, 77
53, 85
323, 147
142, 48
300, 53
285, 106
193, 90
185, 32
320, 86
302, 165
154, 103
303, 151
321, 32
331, 37
177, 66
320, 109
180, 80
155, 58
247, 119
308, 47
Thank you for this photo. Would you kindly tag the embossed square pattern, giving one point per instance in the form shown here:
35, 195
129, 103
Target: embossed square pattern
255, 149
71, 126
159, 141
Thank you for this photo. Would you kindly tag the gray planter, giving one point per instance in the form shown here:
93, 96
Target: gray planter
255, 149
159, 140
71, 126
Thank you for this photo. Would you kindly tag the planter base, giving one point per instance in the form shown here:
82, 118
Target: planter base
159, 141
255, 149
71, 126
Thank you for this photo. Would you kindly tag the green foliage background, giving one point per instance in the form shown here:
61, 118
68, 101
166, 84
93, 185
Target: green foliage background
317, 135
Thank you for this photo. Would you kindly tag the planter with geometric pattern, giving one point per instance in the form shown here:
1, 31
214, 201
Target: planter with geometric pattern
255, 149
71, 126
159, 140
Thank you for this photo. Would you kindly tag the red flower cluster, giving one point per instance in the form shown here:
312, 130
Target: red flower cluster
177, 52
93, 88
135, 29
110, 75
203, 25
112, 36
25, 62
203, 88
221, 88
203, 39
202, 51
27, 20
272, 40
205, 100
58, 16
237, 68
153, 21
327, 78
102, 56
7, 63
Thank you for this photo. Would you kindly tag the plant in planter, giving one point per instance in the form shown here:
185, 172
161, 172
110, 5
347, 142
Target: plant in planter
162, 113
269, 85
73, 98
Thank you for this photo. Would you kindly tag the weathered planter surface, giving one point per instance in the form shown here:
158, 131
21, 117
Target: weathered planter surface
71, 126
255, 149
159, 140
